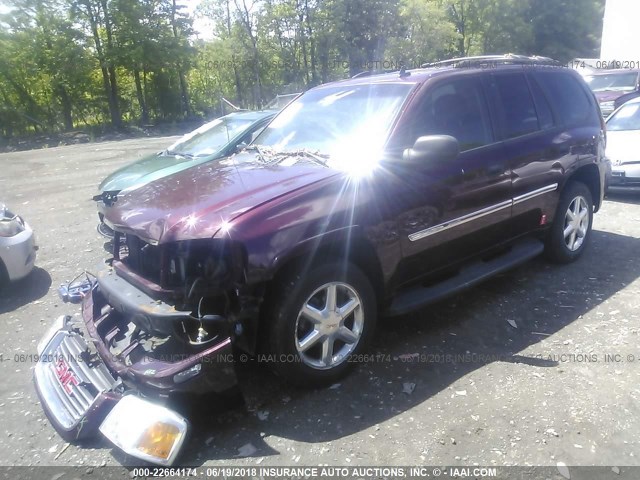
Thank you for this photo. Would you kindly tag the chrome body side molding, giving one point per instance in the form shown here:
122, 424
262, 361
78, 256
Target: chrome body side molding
481, 213
540, 191
460, 220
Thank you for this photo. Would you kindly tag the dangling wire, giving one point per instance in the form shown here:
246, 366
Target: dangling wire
74, 291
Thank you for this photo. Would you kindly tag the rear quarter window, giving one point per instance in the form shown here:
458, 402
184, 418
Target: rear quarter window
569, 99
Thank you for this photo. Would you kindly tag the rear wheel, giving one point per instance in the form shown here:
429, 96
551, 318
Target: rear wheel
571, 229
322, 320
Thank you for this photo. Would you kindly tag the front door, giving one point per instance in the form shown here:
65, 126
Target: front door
456, 209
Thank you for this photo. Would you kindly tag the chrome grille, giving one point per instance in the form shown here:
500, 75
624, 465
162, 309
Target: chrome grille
65, 359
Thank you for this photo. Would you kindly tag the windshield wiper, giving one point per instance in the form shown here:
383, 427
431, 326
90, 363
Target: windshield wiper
258, 150
317, 157
173, 153
271, 156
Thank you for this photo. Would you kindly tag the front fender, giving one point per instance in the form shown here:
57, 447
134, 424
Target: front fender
337, 239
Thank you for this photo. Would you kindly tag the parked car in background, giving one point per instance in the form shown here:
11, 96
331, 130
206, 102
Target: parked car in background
17, 247
623, 144
625, 98
377, 194
211, 141
609, 85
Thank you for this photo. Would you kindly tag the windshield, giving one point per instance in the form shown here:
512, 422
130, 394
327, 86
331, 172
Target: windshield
627, 118
210, 138
622, 82
336, 121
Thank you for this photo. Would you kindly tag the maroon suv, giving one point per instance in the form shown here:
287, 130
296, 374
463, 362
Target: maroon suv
372, 196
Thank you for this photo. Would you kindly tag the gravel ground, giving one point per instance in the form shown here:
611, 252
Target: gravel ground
534, 367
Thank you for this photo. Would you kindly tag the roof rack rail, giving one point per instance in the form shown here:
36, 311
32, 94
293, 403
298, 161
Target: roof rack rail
372, 73
403, 72
508, 59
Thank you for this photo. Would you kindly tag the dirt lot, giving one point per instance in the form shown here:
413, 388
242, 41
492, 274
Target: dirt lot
535, 367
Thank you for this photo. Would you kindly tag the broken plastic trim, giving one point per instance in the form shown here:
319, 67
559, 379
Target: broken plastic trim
76, 289
107, 197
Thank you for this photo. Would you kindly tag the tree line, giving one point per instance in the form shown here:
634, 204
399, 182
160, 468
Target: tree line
67, 64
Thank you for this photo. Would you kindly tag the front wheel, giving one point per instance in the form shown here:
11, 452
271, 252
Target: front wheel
571, 229
322, 320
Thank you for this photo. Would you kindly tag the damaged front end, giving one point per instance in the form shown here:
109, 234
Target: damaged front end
160, 322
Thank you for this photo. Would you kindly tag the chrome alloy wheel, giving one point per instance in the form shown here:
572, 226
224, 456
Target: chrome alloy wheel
576, 223
329, 326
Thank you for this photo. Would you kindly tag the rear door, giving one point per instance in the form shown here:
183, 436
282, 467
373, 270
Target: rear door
543, 116
456, 209
532, 143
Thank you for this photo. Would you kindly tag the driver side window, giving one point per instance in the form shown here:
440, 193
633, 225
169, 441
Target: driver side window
457, 108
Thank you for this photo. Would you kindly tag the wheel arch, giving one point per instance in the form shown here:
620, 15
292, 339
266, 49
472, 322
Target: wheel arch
345, 244
590, 176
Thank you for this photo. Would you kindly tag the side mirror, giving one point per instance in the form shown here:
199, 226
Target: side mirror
432, 148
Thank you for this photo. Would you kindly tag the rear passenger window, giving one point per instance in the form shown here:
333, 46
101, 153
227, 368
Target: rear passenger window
568, 97
516, 107
457, 108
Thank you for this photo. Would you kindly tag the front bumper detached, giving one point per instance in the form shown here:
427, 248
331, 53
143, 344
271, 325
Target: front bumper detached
80, 396
86, 386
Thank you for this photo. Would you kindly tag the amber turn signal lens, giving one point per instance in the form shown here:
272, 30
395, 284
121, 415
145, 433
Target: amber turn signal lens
159, 439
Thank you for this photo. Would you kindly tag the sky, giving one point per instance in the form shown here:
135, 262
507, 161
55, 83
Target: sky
621, 36
201, 26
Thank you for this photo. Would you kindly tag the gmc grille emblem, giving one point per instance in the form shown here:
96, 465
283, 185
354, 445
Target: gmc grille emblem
66, 377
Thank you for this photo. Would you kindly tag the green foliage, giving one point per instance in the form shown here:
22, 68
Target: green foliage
71, 63
426, 34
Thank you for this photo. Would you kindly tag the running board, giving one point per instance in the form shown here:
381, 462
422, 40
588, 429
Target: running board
469, 275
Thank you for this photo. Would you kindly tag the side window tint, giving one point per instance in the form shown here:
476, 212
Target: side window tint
455, 108
545, 116
516, 107
569, 99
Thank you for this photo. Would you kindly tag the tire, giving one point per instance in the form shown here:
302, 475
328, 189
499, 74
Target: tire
333, 340
568, 238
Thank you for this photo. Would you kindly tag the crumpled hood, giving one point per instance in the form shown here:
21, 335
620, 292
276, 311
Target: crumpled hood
197, 202
622, 146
